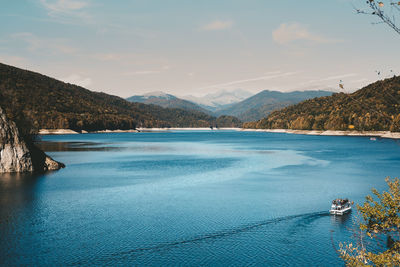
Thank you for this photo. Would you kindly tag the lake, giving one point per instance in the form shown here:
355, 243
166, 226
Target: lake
190, 198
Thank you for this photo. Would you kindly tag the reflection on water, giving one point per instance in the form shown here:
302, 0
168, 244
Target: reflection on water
74, 146
189, 198
16, 188
342, 220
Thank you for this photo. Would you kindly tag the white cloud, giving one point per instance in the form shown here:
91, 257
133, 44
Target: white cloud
63, 6
336, 77
360, 80
272, 75
217, 25
68, 11
141, 72
78, 80
108, 56
290, 32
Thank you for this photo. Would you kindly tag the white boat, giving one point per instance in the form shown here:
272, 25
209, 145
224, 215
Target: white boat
373, 139
340, 206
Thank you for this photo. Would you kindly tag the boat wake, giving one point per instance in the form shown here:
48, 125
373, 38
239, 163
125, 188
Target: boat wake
223, 233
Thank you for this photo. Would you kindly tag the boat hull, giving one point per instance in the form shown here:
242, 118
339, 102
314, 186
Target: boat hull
340, 212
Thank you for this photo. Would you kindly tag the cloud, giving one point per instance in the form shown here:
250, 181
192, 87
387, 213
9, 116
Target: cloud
68, 11
217, 25
360, 80
48, 44
141, 72
63, 6
108, 56
336, 77
78, 80
289, 32
272, 75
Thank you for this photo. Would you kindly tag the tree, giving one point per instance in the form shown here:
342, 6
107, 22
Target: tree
387, 11
380, 220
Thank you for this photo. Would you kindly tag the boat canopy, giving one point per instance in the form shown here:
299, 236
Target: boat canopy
340, 201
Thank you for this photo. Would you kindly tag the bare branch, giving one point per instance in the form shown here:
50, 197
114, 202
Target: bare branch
387, 12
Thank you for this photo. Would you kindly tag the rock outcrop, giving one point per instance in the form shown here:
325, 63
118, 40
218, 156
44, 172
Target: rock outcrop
16, 155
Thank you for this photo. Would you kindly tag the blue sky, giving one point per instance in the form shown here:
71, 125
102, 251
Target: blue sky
197, 47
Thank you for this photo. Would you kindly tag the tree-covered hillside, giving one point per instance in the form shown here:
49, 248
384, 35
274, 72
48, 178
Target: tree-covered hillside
49, 103
262, 104
375, 107
167, 101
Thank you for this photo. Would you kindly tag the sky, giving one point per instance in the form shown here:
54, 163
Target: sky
188, 47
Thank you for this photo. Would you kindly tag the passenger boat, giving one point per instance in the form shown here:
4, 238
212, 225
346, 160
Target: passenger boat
340, 206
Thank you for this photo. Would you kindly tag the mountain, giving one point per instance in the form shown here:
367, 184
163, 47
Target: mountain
49, 103
260, 105
375, 107
166, 101
220, 99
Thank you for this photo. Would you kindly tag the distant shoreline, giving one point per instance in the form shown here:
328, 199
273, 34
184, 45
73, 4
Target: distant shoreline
380, 134
69, 131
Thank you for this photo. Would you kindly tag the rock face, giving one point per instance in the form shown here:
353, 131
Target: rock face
16, 156
42, 162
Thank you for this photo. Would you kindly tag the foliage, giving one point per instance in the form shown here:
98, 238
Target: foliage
380, 217
227, 121
263, 103
52, 104
373, 108
168, 101
26, 129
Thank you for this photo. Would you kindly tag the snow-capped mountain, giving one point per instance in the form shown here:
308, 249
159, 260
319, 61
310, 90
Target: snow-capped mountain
167, 101
219, 99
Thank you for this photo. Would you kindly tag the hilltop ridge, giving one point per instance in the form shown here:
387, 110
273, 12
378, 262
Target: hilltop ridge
263, 103
165, 100
375, 107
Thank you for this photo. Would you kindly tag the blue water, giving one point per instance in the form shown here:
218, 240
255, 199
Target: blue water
190, 198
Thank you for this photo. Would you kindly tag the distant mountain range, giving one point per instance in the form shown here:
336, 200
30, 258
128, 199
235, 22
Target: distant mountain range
375, 107
167, 101
235, 103
52, 104
260, 105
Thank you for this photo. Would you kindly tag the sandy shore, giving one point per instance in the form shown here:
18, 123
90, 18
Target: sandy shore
382, 134
56, 131
117, 131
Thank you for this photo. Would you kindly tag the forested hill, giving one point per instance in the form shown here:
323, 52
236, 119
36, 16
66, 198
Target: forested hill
53, 104
167, 101
375, 107
265, 102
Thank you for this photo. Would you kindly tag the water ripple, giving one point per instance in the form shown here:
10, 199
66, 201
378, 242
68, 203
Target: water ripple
223, 233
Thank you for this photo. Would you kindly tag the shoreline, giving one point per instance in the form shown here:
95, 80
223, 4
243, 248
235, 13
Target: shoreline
56, 131
138, 130
185, 129
380, 134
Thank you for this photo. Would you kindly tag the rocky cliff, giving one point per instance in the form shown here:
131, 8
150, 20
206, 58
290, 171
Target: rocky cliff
16, 155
